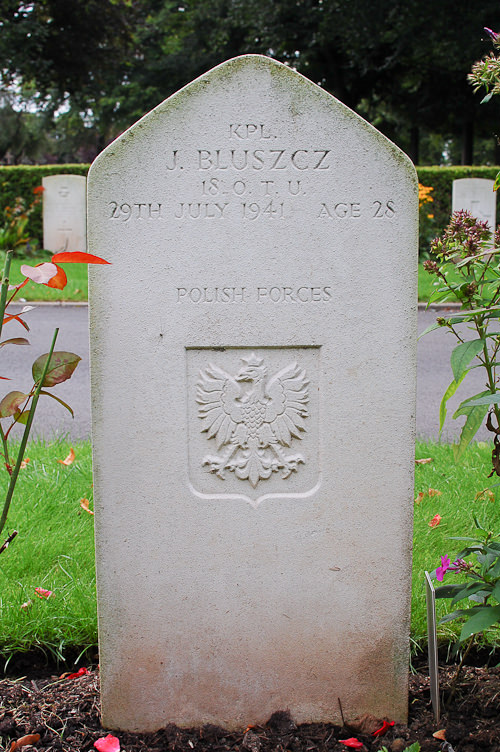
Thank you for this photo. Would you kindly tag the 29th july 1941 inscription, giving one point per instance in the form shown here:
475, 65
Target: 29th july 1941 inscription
251, 180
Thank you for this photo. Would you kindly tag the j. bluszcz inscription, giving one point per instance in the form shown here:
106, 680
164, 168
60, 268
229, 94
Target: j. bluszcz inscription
251, 417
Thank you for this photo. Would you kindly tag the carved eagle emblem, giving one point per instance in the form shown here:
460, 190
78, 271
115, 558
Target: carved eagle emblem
252, 417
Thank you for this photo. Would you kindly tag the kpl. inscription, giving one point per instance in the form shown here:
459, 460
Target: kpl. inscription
232, 186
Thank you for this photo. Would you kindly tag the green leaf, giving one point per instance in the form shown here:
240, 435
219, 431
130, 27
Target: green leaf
11, 403
496, 592
465, 407
61, 367
448, 591
496, 184
480, 596
459, 612
446, 396
463, 354
22, 417
58, 399
488, 399
486, 97
415, 747
481, 620
470, 589
430, 329
469, 429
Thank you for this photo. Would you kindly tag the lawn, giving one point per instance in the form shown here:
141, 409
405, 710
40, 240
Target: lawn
54, 549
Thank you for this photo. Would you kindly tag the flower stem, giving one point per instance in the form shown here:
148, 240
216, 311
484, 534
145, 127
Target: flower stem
24, 440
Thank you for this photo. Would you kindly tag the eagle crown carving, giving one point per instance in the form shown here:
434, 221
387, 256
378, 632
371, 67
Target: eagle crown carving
252, 417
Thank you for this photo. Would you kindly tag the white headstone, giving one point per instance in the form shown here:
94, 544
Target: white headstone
253, 382
475, 195
64, 213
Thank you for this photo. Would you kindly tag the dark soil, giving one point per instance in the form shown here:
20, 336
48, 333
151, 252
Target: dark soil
65, 713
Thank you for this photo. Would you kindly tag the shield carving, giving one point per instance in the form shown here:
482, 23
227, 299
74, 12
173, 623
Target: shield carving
253, 422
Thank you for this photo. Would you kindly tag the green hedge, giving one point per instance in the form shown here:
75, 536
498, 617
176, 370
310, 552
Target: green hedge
441, 180
20, 181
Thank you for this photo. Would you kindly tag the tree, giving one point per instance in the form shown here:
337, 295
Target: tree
402, 64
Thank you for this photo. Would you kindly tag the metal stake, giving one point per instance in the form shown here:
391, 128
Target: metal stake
430, 597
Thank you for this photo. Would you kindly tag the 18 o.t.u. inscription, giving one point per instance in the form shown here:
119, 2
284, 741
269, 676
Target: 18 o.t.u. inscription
252, 417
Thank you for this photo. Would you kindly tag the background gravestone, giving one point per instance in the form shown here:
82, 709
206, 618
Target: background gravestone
64, 213
477, 196
253, 397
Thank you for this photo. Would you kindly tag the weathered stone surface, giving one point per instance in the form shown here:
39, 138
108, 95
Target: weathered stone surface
64, 213
477, 196
253, 396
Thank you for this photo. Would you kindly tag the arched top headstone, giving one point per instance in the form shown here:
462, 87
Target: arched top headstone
64, 213
477, 196
253, 382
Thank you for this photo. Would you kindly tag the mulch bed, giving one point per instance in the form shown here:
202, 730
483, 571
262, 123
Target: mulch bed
65, 713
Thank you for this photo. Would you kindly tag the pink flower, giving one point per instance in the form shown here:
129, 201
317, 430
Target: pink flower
42, 593
108, 743
441, 571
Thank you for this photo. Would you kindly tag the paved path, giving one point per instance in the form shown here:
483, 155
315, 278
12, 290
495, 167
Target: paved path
433, 374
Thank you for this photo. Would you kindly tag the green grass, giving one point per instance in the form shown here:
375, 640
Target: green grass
54, 550
55, 546
457, 505
75, 290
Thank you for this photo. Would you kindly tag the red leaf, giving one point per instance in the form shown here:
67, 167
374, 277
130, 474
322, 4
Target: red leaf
59, 281
69, 459
352, 742
108, 743
15, 341
81, 672
435, 520
77, 257
24, 741
11, 403
385, 726
61, 367
13, 316
84, 503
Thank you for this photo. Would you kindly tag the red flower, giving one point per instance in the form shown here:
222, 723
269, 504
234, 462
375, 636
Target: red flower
38, 189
